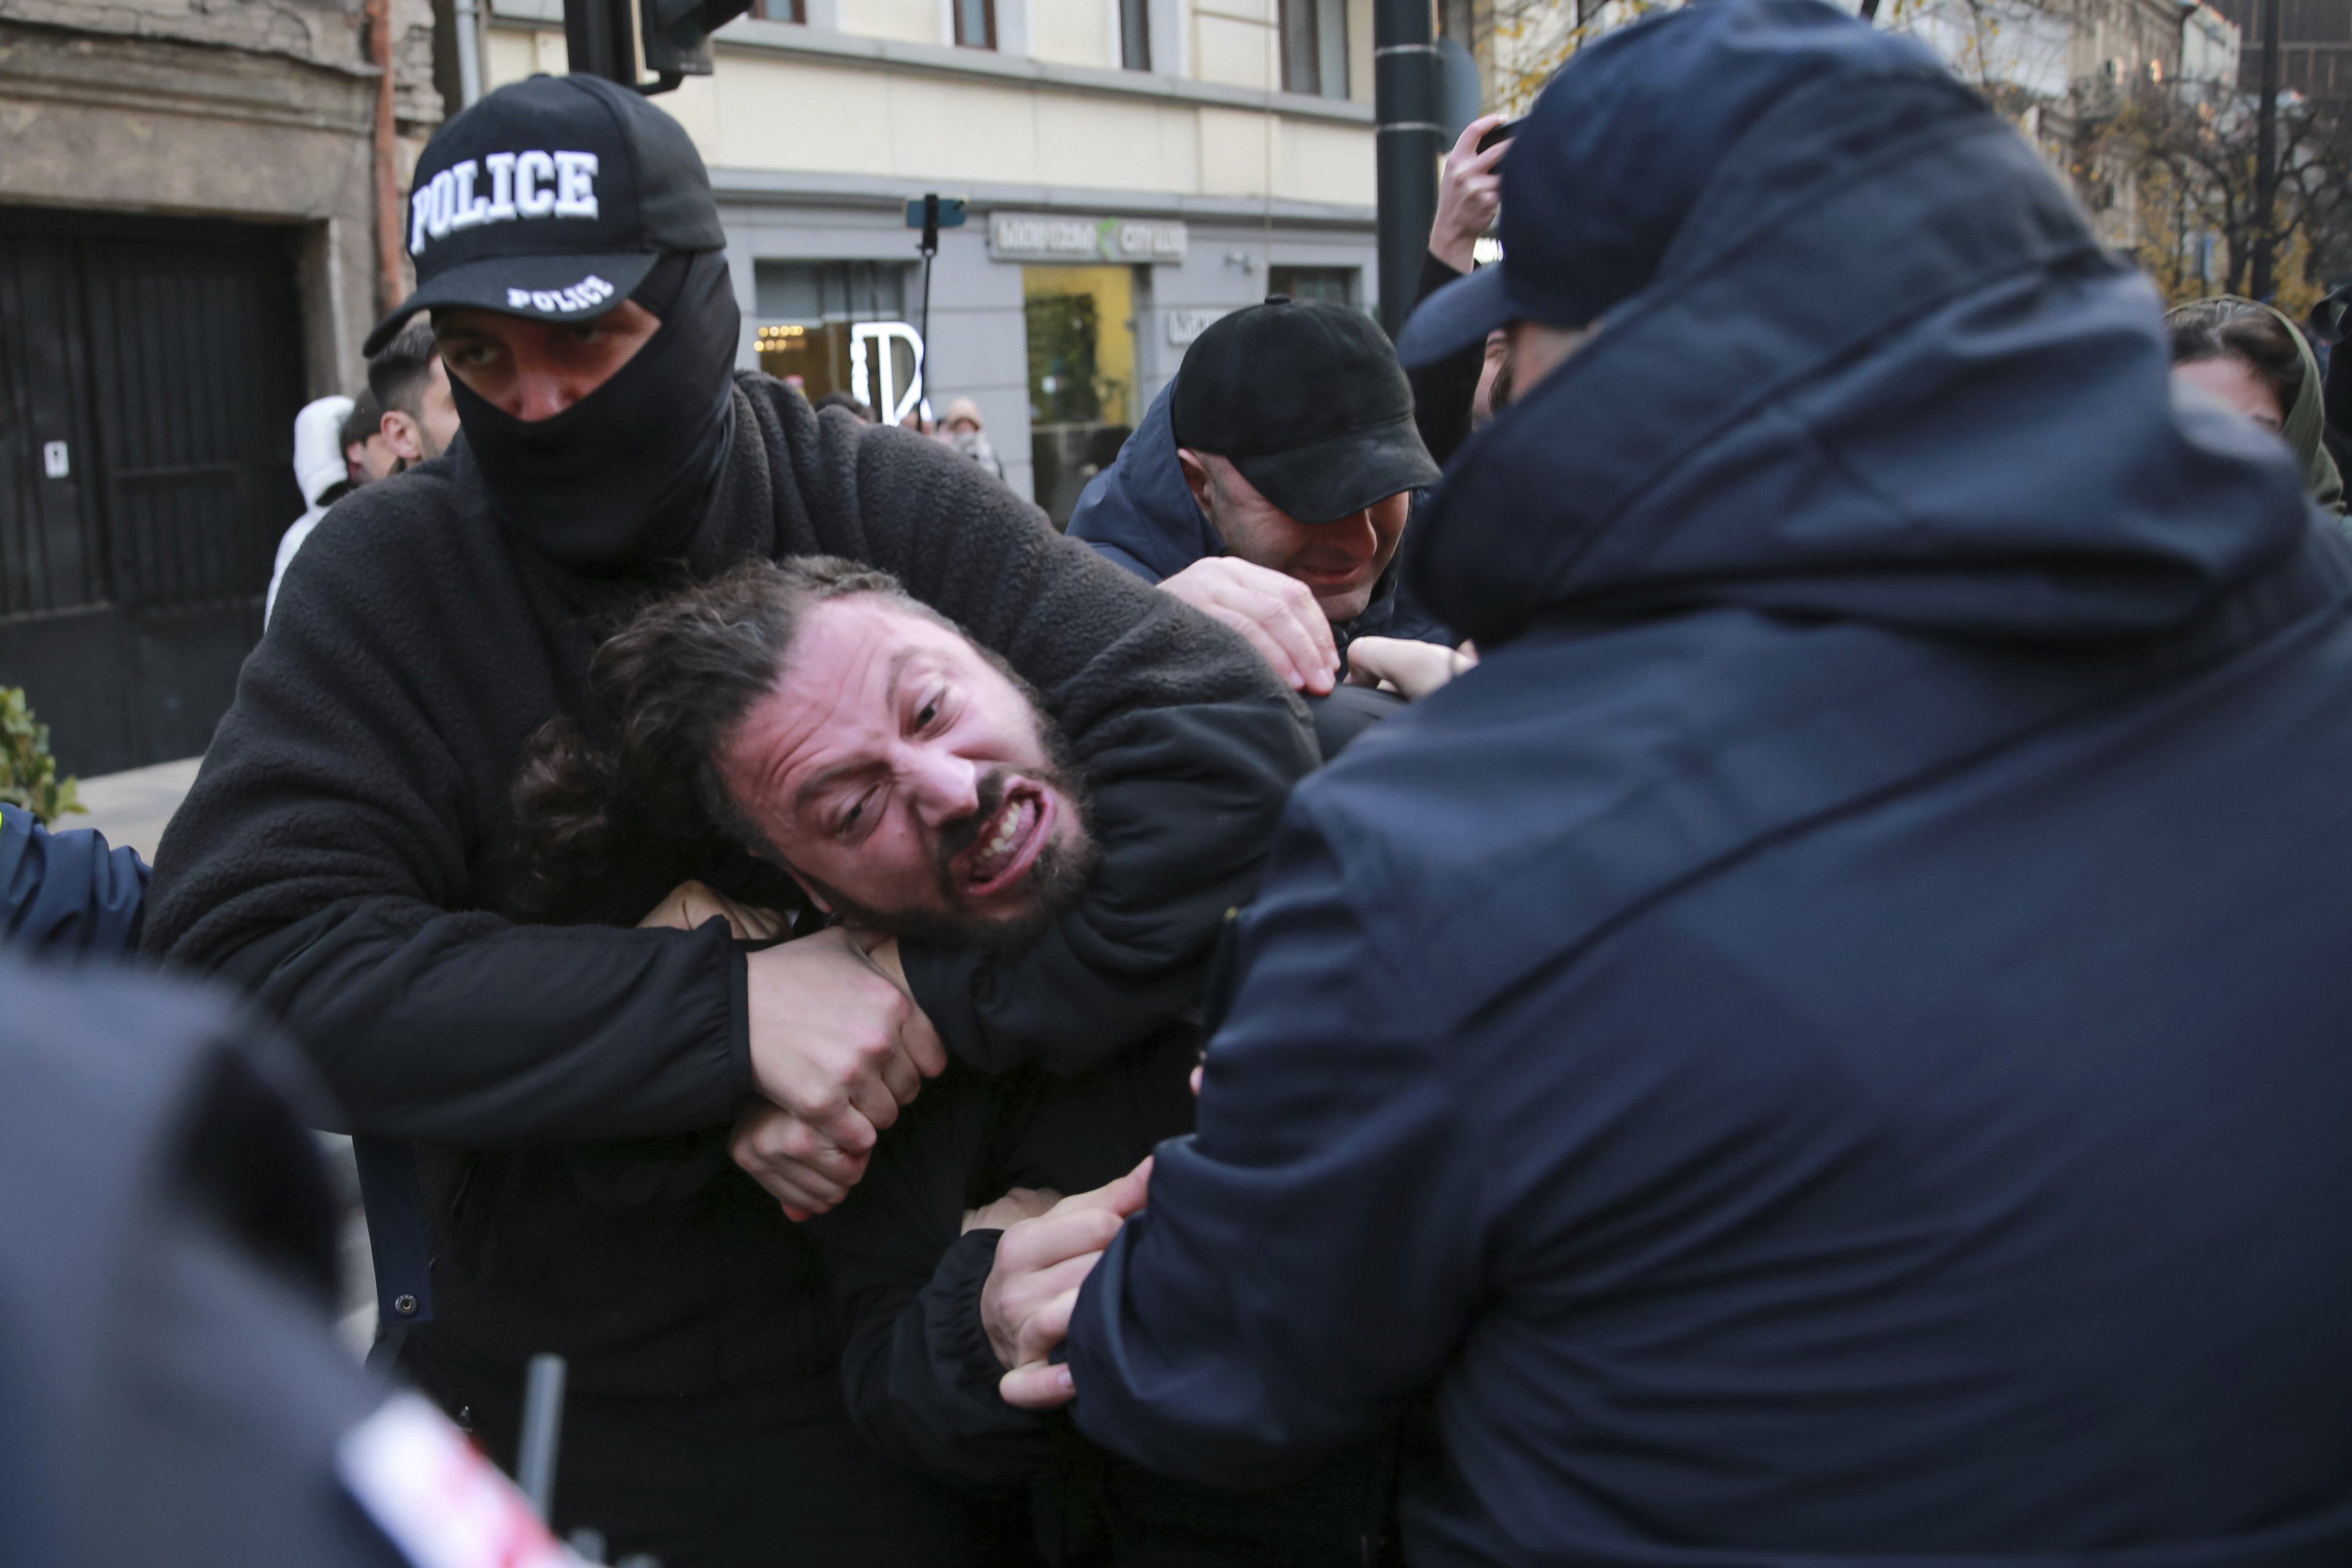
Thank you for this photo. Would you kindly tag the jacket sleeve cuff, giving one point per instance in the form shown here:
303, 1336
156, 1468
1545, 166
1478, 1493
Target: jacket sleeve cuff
739, 992
960, 1336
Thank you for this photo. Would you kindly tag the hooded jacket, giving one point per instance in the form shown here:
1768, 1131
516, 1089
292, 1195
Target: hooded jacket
321, 474
1826, 1047
2305, 429
1139, 513
345, 853
2306, 426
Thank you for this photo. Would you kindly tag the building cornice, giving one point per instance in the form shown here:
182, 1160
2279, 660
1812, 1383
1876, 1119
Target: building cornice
149, 74
765, 187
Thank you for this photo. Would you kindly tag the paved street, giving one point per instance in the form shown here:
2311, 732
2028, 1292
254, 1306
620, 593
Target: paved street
132, 808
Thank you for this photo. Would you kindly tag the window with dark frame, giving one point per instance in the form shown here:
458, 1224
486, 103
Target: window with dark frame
1135, 34
1331, 285
975, 23
1315, 48
806, 310
780, 10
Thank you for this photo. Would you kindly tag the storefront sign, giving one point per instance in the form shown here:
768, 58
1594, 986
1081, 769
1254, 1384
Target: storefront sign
1040, 236
1184, 326
873, 369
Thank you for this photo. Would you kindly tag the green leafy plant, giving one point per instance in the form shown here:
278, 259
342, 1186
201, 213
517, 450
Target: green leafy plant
28, 774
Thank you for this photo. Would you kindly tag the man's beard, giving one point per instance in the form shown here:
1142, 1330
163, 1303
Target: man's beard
1053, 882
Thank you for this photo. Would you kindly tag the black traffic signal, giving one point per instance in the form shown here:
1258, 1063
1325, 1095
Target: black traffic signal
677, 38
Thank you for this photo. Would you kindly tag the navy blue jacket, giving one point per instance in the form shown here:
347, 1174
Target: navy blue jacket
1139, 512
66, 894
1830, 1046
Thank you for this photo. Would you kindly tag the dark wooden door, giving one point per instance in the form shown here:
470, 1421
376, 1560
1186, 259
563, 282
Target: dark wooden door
150, 373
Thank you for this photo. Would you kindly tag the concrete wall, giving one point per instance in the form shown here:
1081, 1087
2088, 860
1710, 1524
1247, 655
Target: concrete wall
160, 124
253, 109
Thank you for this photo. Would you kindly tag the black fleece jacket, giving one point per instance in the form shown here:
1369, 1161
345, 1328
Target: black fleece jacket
346, 854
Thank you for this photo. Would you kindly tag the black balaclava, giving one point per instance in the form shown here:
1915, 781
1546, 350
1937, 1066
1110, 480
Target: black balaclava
622, 477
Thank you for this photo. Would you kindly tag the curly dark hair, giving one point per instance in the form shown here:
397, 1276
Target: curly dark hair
2242, 331
675, 682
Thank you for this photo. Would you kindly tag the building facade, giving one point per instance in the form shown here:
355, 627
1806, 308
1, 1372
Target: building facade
187, 254
2314, 45
1131, 170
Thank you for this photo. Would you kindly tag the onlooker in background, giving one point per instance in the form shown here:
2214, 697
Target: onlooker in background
1456, 394
2254, 359
1829, 1047
365, 452
964, 431
1270, 485
2330, 322
323, 471
1493, 390
420, 417
850, 401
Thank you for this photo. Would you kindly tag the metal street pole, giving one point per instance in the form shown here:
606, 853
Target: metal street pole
1404, 103
2263, 285
598, 34
392, 282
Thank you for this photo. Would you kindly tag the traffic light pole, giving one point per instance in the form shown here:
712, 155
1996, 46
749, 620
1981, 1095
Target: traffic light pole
601, 40
2264, 281
1411, 141
603, 35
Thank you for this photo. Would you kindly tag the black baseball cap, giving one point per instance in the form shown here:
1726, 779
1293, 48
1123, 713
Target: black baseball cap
1308, 402
551, 199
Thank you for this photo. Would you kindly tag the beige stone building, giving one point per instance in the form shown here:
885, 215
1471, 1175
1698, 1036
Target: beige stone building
191, 212
1133, 169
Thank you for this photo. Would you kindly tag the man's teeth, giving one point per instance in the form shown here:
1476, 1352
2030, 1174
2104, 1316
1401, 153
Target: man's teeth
1011, 822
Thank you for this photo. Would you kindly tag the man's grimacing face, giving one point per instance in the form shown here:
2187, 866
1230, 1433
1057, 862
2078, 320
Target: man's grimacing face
1341, 562
906, 782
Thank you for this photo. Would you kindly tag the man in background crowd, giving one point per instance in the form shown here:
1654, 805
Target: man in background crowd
420, 417
964, 431
1270, 486
364, 452
405, 416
